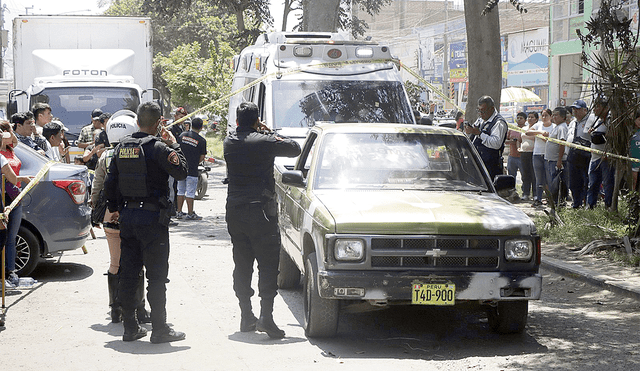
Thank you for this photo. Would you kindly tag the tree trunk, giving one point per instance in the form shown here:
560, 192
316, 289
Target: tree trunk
321, 15
285, 14
484, 55
240, 21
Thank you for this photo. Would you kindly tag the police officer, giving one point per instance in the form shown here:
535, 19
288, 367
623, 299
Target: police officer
136, 186
252, 218
490, 131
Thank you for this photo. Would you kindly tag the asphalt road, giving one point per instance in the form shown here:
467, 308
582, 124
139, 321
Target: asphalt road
62, 323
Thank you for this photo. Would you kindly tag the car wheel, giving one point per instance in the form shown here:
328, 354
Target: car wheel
27, 252
508, 317
289, 276
320, 315
201, 188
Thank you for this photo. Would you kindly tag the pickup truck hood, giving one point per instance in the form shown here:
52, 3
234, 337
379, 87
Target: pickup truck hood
423, 212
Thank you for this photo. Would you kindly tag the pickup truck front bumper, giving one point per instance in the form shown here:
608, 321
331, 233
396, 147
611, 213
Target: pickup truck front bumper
397, 286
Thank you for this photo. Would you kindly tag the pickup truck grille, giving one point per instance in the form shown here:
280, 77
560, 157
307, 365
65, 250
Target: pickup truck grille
440, 252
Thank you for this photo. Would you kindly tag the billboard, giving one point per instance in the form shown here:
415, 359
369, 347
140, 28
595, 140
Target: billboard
458, 62
528, 58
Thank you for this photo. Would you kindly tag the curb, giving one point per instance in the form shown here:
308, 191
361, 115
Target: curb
578, 272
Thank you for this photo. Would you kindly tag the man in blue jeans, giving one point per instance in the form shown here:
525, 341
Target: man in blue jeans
601, 170
578, 160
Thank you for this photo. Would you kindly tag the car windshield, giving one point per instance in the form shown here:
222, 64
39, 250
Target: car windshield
422, 161
74, 105
302, 103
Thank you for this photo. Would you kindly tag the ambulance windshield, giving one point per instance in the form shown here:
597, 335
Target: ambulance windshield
302, 103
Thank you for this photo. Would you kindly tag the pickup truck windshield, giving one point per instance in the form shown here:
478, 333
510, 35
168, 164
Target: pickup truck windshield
417, 161
74, 105
302, 103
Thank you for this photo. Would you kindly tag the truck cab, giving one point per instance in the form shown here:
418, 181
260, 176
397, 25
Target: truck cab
299, 79
78, 64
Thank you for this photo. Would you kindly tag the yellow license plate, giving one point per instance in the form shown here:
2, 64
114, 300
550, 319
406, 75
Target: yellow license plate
433, 294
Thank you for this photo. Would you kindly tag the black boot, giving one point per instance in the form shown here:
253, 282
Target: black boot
247, 319
114, 301
132, 330
265, 323
141, 312
166, 334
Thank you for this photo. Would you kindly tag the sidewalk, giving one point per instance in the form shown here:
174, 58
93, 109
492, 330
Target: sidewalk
597, 271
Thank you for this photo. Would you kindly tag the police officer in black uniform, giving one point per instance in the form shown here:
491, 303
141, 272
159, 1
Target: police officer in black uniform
252, 218
136, 186
490, 131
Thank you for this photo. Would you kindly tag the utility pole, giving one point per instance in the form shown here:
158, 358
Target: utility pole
445, 67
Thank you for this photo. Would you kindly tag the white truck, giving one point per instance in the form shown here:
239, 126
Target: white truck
79, 63
310, 77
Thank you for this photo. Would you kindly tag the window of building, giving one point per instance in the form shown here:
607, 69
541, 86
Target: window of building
568, 15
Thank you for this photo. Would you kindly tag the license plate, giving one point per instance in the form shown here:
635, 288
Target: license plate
433, 294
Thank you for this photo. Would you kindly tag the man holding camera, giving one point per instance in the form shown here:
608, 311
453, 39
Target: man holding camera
490, 133
252, 217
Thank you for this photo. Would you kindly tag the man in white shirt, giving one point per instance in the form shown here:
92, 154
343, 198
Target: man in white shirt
490, 132
52, 131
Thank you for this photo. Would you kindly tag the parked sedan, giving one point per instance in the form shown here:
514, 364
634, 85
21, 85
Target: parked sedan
56, 213
381, 214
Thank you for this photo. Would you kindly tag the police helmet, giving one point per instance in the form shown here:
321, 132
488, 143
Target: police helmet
123, 122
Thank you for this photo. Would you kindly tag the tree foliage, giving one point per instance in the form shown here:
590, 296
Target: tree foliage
204, 35
615, 70
347, 20
250, 14
196, 81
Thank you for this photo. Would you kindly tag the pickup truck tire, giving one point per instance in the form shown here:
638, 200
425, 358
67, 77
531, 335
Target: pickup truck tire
289, 275
320, 315
508, 317
27, 252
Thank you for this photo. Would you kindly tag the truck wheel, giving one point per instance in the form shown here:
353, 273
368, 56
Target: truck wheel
508, 317
289, 276
201, 188
27, 252
320, 315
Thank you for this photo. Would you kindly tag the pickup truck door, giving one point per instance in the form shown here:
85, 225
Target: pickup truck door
294, 197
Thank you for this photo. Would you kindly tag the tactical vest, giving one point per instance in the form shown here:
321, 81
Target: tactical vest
489, 154
132, 167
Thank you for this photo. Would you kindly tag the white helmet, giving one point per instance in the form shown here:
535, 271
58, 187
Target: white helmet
123, 122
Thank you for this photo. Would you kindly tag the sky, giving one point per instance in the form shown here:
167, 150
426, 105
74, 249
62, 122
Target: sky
13, 8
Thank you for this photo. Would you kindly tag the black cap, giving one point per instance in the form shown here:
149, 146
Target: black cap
96, 114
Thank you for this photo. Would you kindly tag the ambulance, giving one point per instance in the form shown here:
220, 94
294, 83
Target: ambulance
299, 79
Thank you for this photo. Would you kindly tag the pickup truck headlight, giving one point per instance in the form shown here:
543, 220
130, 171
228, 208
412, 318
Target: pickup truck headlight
348, 250
518, 249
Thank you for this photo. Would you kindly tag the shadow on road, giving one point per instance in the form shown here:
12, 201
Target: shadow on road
50, 271
262, 338
411, 332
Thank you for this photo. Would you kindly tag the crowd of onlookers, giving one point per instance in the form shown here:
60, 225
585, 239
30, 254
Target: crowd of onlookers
546, 164
40, 130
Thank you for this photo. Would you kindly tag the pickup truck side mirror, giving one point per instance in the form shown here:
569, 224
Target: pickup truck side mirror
504, 182
294, 178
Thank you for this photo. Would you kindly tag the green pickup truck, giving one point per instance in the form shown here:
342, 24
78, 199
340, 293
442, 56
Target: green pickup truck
384, 214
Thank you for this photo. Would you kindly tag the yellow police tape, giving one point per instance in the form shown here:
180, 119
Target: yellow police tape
576, 146
283, 72
289, 71
34, 181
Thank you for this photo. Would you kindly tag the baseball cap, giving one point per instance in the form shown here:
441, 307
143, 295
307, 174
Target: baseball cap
579, 104
181, 110
64, 128
96, 114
